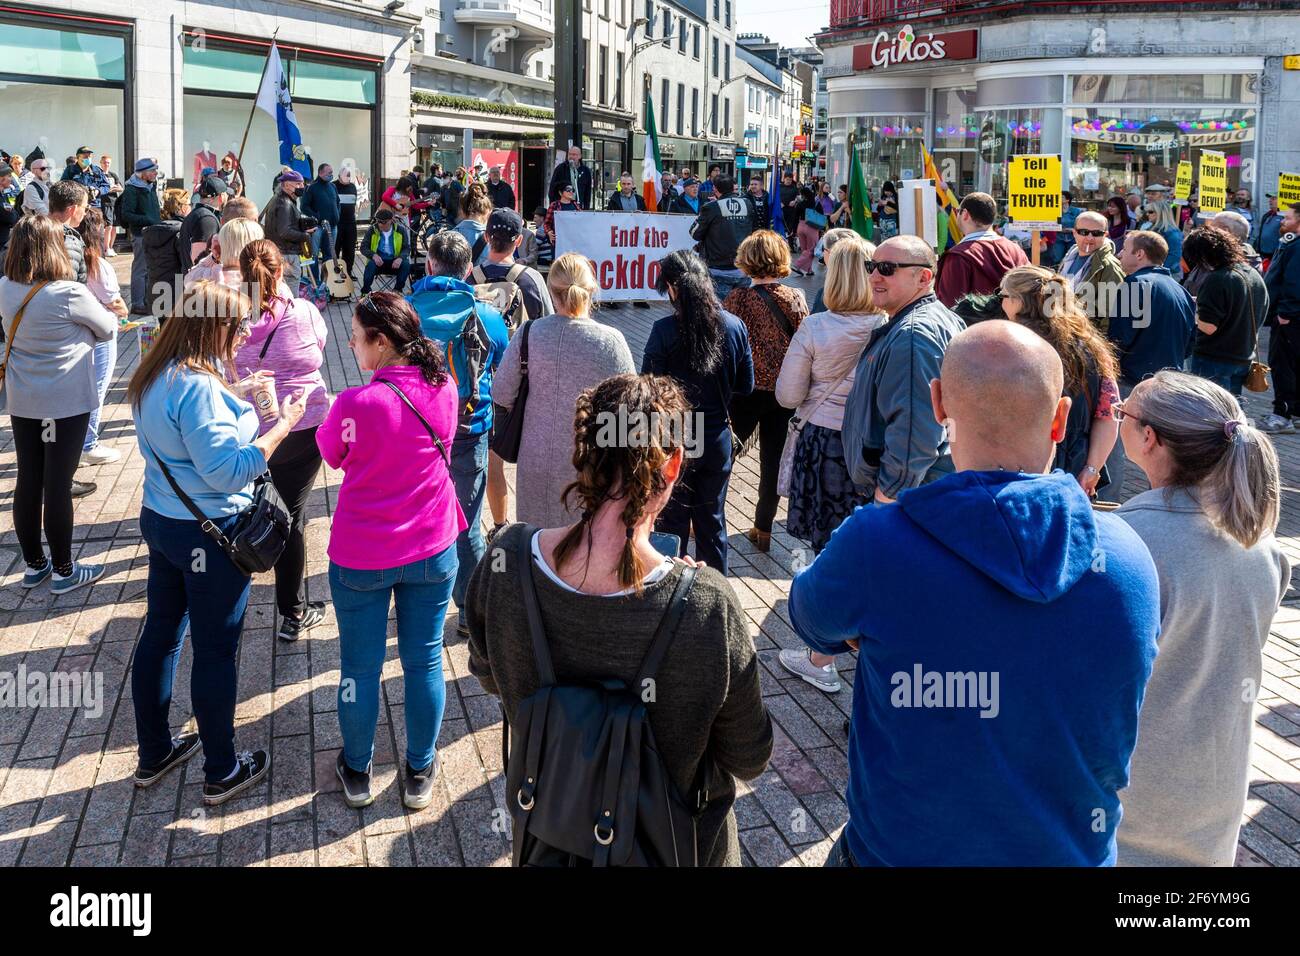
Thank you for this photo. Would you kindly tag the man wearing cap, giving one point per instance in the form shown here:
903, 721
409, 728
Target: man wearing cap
89, 175
572, 172
204, 220
283, 224
687, 202
139, 211
387, 248
505, 231
499, 191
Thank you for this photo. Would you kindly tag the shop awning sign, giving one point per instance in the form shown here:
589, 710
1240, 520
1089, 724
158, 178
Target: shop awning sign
1288, 189
906, 47
1183, 182
1214, 181
1034, 194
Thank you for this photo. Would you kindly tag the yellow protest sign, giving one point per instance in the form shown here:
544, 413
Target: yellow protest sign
1288, 189
1034, 192
1183, 181
1214, 181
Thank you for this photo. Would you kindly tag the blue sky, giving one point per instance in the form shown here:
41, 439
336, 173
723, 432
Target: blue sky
786, 21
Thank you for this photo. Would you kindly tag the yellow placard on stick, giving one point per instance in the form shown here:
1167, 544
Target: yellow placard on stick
1034, 194
1288, 189
1214, 181
1183, 182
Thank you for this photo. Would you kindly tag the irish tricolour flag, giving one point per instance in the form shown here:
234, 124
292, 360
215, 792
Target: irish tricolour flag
652, 186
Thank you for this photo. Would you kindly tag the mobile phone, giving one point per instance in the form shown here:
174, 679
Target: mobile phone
666, 544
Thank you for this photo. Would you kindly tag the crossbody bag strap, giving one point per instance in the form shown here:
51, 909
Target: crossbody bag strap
829, 392
266, 344
781, 319
666, 630
523, 351
13, 329
442, 449
541, 652
206, 524
1250, 301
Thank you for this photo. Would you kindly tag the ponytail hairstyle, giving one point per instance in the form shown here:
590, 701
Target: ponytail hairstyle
628, 469
1049, 307
696, 310
476, 201
572, 284
260, 266
92, 229
389, 314
1215, 452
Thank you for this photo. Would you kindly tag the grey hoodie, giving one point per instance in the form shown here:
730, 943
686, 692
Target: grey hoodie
891, 440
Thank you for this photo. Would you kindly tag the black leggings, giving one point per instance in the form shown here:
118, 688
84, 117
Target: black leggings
294, 467
760, 410
345, 244
49, 451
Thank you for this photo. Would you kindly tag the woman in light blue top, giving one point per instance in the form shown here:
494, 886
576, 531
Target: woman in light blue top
190, 421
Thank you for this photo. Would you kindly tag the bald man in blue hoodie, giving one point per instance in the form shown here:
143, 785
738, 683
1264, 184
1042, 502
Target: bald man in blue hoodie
1005, 631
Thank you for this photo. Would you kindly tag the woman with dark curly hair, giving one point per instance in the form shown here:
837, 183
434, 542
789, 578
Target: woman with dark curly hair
1230, 307
393, 538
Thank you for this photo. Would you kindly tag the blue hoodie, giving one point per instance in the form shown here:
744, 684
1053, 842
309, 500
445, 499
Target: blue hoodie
1012, 577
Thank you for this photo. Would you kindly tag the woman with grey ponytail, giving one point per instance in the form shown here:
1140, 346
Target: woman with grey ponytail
1208, 521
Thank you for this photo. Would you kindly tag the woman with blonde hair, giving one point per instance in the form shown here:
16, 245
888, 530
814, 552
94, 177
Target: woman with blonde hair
771, 312
566, 353
815, 380
199, 435
1209, 522
1159, 217
221, 264
1043, 301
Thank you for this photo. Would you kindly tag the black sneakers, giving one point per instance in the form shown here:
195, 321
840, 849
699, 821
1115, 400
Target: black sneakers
253, 765
291, 629
417, 788
356, 785
82, 488
183, 748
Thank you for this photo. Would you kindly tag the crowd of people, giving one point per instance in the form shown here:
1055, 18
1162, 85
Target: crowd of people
951, 434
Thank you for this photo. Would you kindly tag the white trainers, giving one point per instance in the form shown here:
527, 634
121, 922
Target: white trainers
799, 663
101, 454
1276, 425
111, 254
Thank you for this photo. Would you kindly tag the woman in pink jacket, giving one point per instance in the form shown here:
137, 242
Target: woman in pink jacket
283, 355
393, 537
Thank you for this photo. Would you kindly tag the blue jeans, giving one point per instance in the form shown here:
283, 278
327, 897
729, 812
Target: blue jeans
321, 243
402, 273
1228, 375
190, 580
724, 280
840, 855
105, 359
421, 590
469, 461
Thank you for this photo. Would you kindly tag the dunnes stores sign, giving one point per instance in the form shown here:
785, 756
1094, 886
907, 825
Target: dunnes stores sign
907, 47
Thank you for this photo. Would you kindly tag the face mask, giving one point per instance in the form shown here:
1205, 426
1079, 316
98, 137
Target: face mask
83, 161
328, 178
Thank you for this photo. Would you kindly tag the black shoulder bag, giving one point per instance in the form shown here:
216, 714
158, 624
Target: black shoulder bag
586, 783
508, 427
782, 320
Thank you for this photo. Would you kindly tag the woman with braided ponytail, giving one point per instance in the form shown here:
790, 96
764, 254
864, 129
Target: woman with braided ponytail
707, 351
1208, 521
393, 538
1044, 301
602, 589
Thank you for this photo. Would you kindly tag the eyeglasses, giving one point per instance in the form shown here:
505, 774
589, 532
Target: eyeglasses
1118, 413
1094, 233
887, 269
245, 326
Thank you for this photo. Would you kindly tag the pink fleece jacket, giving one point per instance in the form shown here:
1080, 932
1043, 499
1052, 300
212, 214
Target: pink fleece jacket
397, 503
295, 355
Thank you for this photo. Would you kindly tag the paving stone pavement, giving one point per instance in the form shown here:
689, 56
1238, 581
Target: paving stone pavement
65, 790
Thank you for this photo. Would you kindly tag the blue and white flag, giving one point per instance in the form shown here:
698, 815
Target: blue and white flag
775, 212
273, 99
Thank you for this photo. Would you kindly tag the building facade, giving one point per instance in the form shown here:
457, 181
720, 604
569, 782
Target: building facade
177, 80
1123, 92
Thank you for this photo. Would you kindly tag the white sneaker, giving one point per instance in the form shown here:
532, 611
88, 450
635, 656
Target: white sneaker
799, 663
1276, 425
101, 454
111, 254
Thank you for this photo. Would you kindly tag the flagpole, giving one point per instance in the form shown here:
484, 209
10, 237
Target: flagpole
239, 160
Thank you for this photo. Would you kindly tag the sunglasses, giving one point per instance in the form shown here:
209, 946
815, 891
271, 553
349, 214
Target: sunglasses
1094, 233
887, 269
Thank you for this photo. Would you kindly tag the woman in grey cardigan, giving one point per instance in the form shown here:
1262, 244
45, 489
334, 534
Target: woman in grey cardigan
568, 352
1208, 520
50, 392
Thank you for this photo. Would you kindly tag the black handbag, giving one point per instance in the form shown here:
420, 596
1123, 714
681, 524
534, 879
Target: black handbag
508, 430
260, 533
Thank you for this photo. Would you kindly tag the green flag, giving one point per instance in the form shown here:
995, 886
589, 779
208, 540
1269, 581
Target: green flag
859, 201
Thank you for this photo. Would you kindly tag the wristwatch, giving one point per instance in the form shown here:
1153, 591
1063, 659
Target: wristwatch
1089, 471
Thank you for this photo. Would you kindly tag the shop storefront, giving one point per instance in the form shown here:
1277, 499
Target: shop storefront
522, 158
723, 155
1120, 121
65, 83
335, 97
604, 149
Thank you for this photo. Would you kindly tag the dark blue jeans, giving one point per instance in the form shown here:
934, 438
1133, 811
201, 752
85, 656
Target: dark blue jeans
421, 590
190, 580
469, 462
1227, 375
840, 855
699, 503
402, 273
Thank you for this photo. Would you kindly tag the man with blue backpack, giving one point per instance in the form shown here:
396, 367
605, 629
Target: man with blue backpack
473, 337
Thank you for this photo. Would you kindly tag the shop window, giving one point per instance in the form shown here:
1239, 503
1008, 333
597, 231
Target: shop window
81, 116
1100, 88
1013, 132
232, 71
889, 149
62, 54
956, 137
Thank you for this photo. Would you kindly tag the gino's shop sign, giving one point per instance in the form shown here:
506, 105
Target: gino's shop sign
905, 47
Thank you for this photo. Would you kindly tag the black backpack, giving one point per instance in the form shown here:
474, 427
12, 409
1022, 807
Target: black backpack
586, 783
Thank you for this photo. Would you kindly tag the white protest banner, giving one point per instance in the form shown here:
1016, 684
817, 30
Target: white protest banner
624, 248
